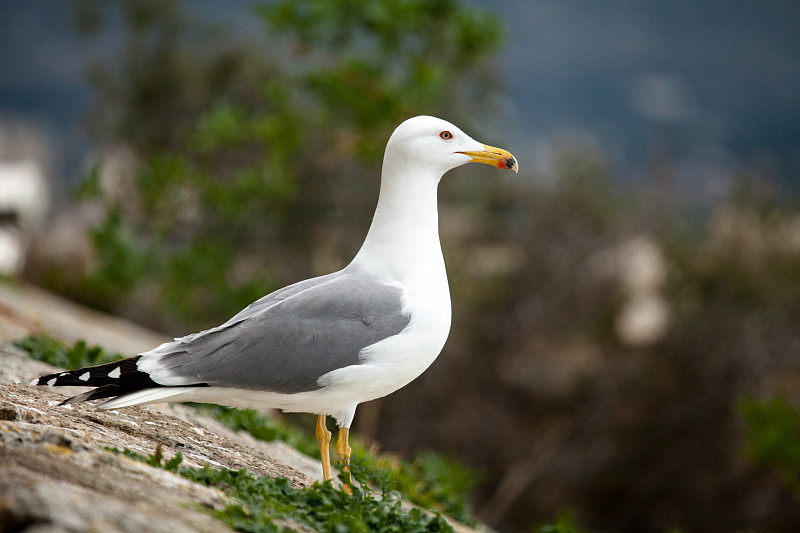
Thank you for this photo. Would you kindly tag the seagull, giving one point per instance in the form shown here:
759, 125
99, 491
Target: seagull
326, 344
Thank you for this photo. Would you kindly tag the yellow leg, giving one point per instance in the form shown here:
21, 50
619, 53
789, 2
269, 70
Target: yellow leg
324, 440
343, 450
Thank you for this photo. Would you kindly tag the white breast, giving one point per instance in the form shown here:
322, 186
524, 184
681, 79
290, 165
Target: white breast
394, 362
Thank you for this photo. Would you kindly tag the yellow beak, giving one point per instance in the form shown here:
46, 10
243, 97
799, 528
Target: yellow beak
497, 157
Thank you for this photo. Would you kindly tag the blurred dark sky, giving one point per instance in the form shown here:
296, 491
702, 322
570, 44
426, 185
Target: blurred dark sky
709, 85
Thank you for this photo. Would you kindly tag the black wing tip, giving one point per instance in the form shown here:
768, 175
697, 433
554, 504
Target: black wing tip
106, 391
124, 371
49, 380
76, 399
107, 380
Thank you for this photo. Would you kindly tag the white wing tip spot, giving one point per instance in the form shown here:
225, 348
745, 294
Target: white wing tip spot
115, 373
51, 382
35, 382
84, 376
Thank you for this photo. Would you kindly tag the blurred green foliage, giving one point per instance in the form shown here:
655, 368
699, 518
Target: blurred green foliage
772, 438
53, 352
564, 524
247, 153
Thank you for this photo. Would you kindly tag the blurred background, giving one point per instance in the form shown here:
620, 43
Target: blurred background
626, 337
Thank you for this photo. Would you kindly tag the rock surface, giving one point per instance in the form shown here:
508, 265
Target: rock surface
55, 472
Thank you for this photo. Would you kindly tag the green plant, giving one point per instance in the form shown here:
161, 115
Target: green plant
256, 502
430, 481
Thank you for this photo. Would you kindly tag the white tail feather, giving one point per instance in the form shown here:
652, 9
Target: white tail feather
158, 395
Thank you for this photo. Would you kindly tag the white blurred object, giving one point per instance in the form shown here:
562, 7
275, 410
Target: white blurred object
644, 320
24, 200
643, 268
645, 317
11, 251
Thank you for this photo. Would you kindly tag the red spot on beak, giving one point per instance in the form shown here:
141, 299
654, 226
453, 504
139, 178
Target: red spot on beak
506, 163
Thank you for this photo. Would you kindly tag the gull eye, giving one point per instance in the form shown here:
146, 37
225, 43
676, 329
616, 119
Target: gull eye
446, 135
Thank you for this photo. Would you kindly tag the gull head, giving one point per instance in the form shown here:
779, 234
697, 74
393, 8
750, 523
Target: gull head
439, 145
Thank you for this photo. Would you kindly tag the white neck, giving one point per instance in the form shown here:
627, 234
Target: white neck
403, 240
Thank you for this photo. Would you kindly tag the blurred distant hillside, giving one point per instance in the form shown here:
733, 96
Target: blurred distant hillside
709, 86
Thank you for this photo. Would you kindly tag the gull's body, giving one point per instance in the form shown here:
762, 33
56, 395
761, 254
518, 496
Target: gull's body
326, 344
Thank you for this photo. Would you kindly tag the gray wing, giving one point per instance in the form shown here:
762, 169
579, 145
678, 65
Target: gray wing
288, 339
